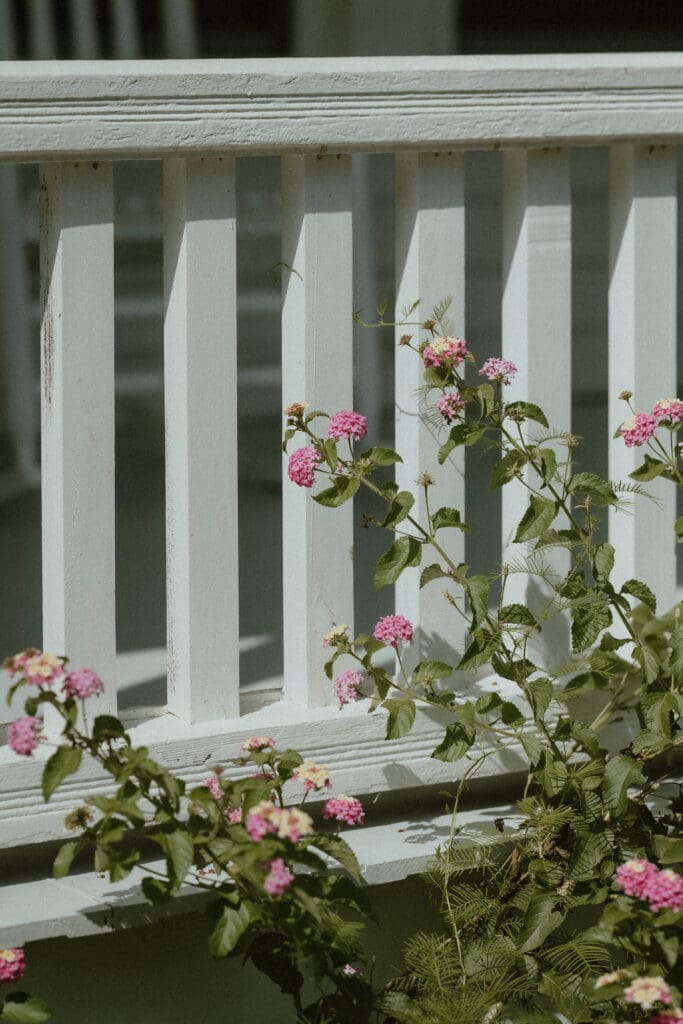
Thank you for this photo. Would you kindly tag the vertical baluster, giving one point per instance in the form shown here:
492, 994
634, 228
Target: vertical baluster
642, 348
317, 346
8, 42
42, 37
179, 28
77, 348
430, 266
536, 329
200, 374
125, 29
85, 39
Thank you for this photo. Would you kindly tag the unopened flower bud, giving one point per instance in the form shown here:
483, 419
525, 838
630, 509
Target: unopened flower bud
405, 339
625, 395
295, 409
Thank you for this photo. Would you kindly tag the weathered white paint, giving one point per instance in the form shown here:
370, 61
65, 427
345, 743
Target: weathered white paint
317, 354
147, 108
77, 350
200, 372
642, 348
536, 333
430, 266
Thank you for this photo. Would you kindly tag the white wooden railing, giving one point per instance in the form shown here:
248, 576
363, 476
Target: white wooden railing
199, 117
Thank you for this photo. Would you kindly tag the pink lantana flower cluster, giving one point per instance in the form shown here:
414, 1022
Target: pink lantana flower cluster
336, 635
233, 814
314, 776
638, 429
344, 808
278, 879
667, 1017
82, 683
347, 424
644, 880
286, 822
347, 686
12, 964
668, 410
258, 743
450, 405
23, 734
36, 667
392, 629
302, 464
500, 370
646, 992
444, 350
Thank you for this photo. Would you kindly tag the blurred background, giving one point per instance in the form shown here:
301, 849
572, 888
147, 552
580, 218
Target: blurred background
154, 29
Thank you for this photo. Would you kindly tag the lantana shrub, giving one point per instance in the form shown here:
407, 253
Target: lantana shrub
569, 912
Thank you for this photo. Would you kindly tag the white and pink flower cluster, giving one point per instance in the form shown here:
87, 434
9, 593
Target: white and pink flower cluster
12, 964
646, 992
345, 424
449, 350
233, 814
345, 809
278, 879
45, 670
314, 776
450, 405
257, 744
265, 818
661, 889
347, 686
500, 370
639, 428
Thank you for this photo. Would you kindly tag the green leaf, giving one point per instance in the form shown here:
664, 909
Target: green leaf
594, 485
678, 527
548, 464
588, 621
230, 927
650, 469
649, 663
540, 692
536, 520
432, 572
447, 517
533, 747
525, 411
477, 589
540, 921
603, 562
156, 891
463, 433
383, 456
331, 456
65, 761
455, 744
641, 592
620, 773
179, 849
401, 716
488, 702
669, 849
511, 714
509, 467
429, 671
404, 552
518, 615
400, 507
107, 727
338, 848
343, 488
64, 858
482, 648
20, 1008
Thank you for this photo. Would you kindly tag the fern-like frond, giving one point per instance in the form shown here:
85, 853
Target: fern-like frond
439, 315
432, 960
633, 487
579, 955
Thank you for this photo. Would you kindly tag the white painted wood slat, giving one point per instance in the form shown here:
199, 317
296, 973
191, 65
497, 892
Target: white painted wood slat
200, 372
430, 266
642, 348
317, 355
77, 349
536, 332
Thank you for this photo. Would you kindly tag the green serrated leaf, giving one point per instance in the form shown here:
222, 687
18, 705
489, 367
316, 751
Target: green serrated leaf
518, 615
540, 692
107, 727
650, 469
588, 621
338, 848
230, 927
400, 508
540, 921
536, 520
447, 517
669, 849
432, 572
429, 671
649, 663
179, 849
621, 772
343, 488
477, 589
641, 592
455, 744
525, 411
401, 716
383, 456
404, 552
480, 651
65, 761
64, 858
548, 464
603, 562
21, 1008
678, 528
507, 468
590, 483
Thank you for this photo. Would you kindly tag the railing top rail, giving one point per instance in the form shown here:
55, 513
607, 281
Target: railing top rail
55, 110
